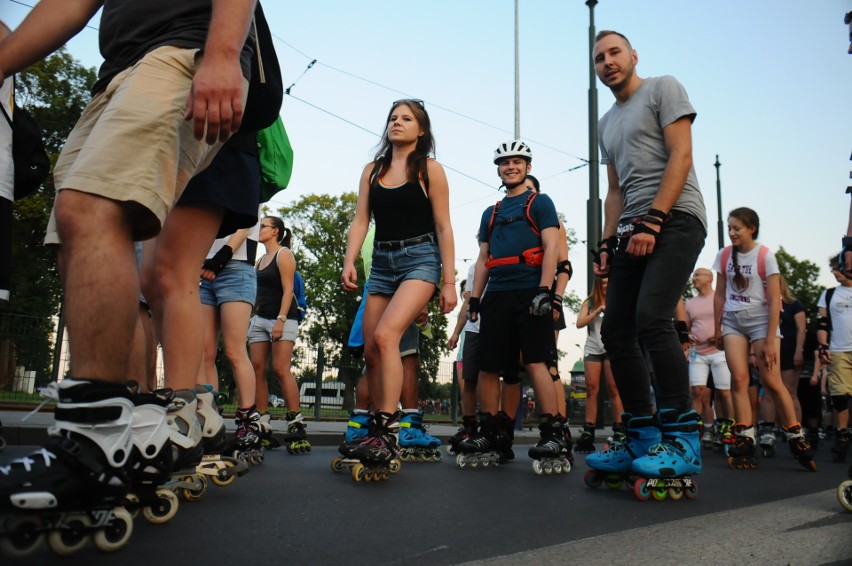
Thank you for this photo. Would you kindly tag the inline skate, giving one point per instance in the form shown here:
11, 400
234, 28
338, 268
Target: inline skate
415, 444
466, 430
617, 433
569, 441
613, 466
802, 451
151, 461
668, 468
248, 446
2, 440
550, 454
586, 443
724, 436
218, 462
267, 436
741, 453
844, 492
766, 439
73, 488
708, 437
356, 431
487, 447
295, 439
841, 445
378, 449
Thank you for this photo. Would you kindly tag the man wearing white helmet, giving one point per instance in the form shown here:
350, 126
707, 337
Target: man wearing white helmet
517, 259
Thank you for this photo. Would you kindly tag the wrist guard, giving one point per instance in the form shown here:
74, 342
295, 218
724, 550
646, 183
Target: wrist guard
565, 267
218, 262
557, 303
682, 331
641, 228
611, 243
473, 309
541, 303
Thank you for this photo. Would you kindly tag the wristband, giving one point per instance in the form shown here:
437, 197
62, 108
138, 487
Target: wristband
281, 317
657, 213
221, 258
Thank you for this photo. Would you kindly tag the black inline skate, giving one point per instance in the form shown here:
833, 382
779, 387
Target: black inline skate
586, 443
267, 436
550, 454
741, 453
467, 429
487, 447
296, 437
800, 448
74, 488
841, 445
766, 438
378, 451
248, 447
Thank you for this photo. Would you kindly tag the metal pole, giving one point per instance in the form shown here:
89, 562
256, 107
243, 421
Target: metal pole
719, 203
57, 347
318, 381
517, 79
593, 205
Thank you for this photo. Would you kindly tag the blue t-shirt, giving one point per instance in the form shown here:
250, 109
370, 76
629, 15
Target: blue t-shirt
511, 235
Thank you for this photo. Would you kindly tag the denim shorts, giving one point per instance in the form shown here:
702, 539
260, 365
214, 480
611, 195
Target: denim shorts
391, 267
751, 323
409, 344
260, 330
236, 283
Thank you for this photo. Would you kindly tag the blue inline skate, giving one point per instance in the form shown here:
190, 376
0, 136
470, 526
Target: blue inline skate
74, 488
356, 431
668, 468
614, 465
415, 444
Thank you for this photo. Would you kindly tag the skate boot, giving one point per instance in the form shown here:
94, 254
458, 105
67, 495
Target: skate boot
151, 462
296, 438
550, 454
741, 453
218, 463
669, 466
613, 466
249, 446
356, 431
707, 437
617, 433
415, 444
800, 448
467, 429
726, 435
74, 487
506, 439
586, 443
377, 453
487, 447
812, 436
266, 433
766, 439
187, 449
569, 441
841, 445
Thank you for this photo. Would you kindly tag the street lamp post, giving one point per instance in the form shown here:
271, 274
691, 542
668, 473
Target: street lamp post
593, 205
719, 203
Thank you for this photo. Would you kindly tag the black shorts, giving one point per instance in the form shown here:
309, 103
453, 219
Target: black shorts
232, 182
559, 323
470, 357
508, 329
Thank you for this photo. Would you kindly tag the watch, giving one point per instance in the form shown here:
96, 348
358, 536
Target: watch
281, 317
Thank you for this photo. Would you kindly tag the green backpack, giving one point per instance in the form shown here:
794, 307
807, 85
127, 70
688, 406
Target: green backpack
276, 159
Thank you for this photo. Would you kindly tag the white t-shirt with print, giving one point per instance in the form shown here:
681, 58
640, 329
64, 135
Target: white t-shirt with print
754, 293
841, 318
468, 286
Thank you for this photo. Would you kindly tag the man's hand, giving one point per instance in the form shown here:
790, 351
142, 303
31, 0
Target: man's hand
215, 100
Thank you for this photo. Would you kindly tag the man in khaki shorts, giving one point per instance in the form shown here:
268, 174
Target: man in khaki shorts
171, 90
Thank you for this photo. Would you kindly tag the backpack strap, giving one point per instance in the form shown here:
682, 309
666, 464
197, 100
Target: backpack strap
829, 293
493, 217
527, 206
761, 263
724, 259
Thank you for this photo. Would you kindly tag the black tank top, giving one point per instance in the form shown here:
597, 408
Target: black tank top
270, 292
400, 212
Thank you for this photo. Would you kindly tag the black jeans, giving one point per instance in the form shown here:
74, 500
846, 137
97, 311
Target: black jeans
641, 299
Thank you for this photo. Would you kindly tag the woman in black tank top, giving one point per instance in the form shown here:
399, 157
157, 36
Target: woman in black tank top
273, 327
406, 193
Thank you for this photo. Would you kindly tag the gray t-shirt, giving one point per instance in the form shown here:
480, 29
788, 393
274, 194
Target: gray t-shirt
631, 139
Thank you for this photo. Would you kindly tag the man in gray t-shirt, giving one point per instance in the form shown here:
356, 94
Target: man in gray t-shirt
654, 229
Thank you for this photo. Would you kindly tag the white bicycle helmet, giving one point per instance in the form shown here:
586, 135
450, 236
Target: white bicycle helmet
514, 148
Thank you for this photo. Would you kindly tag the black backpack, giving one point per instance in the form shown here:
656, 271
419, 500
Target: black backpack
31, 163
266, 87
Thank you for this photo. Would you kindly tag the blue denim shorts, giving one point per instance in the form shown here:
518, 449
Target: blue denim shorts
391, 267
410, 342
236, 283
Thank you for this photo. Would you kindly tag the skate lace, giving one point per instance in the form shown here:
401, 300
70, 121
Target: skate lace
50, 392
27, 461
664, 448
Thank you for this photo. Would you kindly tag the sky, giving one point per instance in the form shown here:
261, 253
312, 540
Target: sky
766, 77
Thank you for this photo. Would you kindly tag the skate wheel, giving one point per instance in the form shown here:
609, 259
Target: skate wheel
337, 464
394, 466
659, 493
403, 456
131, 503
195, 494
116, 535
548, 468
844, 494
486, 463
377, 475
165, 508
358, 472
258, 459
592, 479
613, 483
23, 535
384, 476
675, 493
640, 490
437, 456
460, 463
473, 465
537, 467
224, 481
691, 491
811, 465
557, 467
72, 537
731, 463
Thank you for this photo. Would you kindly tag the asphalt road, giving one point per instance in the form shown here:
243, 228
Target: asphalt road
295, 510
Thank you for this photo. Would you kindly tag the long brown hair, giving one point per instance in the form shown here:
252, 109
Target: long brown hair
425, 148
750, 219
786, 295
597, 297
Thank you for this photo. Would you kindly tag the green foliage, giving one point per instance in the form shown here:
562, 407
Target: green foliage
801, 276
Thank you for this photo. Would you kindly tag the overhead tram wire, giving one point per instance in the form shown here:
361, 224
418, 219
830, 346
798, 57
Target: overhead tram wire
314, 61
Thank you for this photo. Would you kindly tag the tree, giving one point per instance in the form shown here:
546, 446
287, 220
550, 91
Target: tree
801, 276
54, 91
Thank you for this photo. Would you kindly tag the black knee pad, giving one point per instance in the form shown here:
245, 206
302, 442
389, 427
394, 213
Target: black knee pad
511, 377
840, 402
